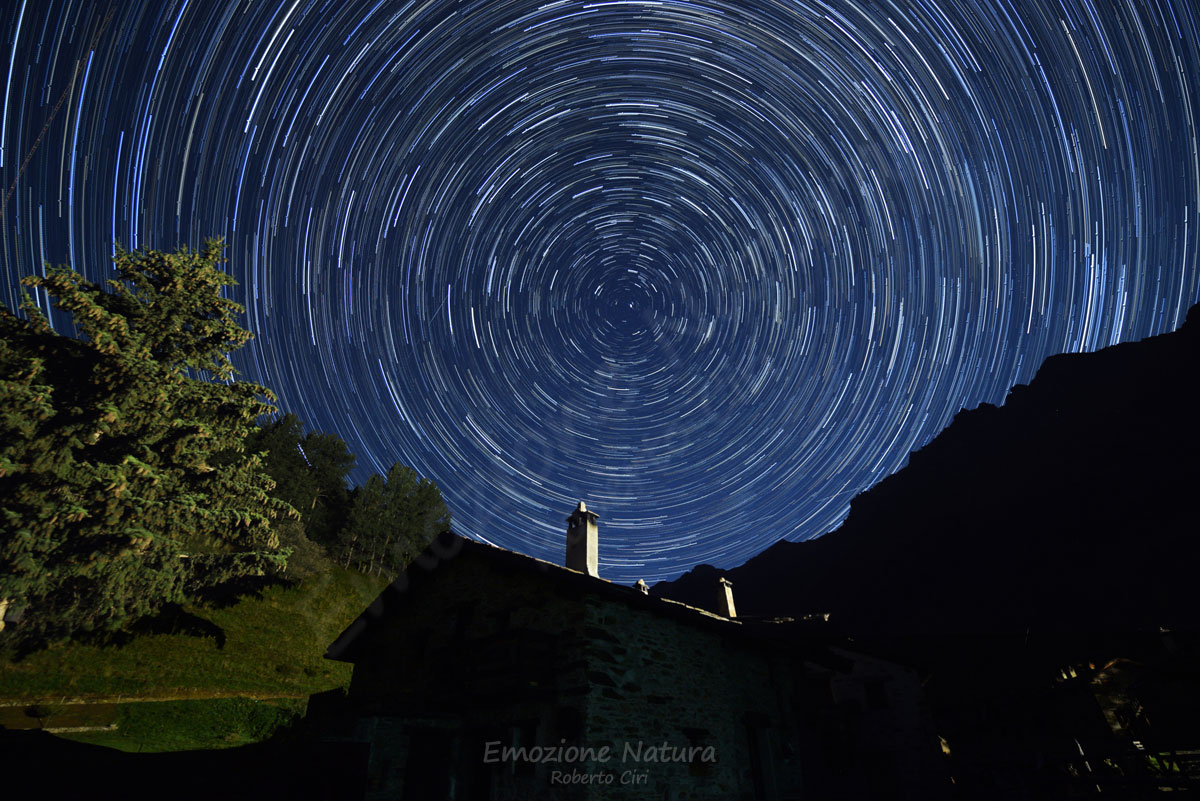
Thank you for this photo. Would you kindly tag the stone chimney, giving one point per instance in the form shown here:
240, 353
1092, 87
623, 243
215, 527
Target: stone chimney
583, 535
725, 598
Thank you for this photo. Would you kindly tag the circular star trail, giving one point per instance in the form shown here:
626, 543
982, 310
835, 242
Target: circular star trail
714, 267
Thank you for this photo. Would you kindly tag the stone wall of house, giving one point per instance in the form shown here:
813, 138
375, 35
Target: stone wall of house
477, 654
658, 681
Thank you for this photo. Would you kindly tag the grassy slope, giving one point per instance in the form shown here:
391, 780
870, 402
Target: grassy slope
194, 725
274, 647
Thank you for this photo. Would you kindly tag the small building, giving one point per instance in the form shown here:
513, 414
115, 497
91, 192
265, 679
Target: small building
486, 674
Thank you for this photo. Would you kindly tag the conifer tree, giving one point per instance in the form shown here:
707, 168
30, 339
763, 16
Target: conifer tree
310, 473
124, 481
279, 442
391, 520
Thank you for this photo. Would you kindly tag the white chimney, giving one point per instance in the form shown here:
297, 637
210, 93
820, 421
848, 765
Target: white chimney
583, 550
725, 598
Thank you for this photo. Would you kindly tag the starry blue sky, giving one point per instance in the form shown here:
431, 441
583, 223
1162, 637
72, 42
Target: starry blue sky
713, 266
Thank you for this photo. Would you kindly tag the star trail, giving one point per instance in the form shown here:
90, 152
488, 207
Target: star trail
713, 266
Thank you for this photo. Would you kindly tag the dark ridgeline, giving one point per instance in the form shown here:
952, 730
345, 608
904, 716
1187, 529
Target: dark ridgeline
1038, 562
1071, 508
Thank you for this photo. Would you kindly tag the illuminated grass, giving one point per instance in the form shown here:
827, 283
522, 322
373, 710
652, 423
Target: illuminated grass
274, 646
194, 725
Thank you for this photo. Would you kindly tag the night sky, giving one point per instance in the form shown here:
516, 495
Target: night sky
714, 267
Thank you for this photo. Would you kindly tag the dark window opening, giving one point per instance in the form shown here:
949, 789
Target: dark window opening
698, 739
524, 734
568, 724
427, 770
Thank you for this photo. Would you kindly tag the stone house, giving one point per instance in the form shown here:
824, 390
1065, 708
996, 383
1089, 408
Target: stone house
486, 674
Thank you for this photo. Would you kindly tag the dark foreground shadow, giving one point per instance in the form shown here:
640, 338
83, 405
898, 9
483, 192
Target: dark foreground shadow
174, 619
39, 765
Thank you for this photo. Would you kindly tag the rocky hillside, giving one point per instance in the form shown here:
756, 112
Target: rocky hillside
1072, 507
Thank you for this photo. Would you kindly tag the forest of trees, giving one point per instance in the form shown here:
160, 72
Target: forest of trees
137, 474
377, 527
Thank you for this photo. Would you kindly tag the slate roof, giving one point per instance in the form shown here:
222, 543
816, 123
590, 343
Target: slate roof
784, 636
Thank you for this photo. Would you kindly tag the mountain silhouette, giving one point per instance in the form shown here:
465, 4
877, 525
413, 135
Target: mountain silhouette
1071, 508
